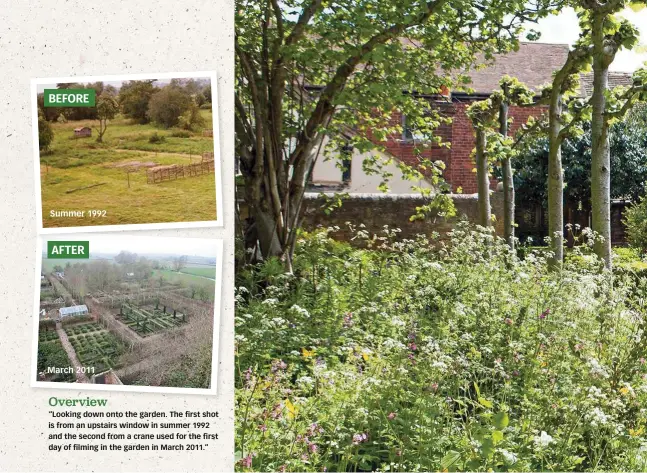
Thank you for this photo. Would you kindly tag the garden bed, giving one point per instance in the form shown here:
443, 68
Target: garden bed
95, 346
147, 320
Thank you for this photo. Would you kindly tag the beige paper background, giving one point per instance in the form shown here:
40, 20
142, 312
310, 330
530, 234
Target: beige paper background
48, 38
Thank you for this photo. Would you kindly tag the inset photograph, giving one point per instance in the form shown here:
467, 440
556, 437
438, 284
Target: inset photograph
127, 313
126, 150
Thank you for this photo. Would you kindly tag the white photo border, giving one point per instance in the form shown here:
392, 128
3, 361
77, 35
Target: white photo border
211, 391
212, 75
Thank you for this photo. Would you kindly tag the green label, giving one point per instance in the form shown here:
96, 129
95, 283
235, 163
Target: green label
68, 249
70, 97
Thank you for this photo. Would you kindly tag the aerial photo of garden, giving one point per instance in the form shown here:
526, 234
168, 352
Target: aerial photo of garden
139, 312
492, 319
143, 154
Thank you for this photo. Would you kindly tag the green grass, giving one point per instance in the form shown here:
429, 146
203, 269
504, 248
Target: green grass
186, 279
200, 271
75, 163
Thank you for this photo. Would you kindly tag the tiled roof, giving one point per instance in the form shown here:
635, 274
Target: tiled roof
615, 79
533, 64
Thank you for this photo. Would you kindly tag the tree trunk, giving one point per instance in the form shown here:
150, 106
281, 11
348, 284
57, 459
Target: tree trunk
273, 233
555, 179
600, 152
508, 183
482, 176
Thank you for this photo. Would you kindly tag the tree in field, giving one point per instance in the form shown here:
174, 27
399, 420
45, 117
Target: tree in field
607, 35
192, 119
206, 93
126, 257
107, 109
179, 263
314, 75
45, 133
167, 105
134, 97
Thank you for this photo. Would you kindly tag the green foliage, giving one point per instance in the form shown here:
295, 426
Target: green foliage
192, 119
45, 133
156, 138
181, 134
429, 356
167, 105
344, 69
107, 107
628, 141
636, 225
51, 354
134, 97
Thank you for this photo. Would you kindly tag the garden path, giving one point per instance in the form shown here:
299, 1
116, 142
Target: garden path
80, 376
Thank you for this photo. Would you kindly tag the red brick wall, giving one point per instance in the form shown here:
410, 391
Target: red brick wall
459, 164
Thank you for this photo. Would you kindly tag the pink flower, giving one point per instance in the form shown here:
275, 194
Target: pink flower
247, 461
544, 314
391, 416
359, 438
434, 387
313, 448
262, 427
508, 321
278, 365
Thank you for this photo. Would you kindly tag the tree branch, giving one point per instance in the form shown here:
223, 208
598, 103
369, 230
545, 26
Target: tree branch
306, 15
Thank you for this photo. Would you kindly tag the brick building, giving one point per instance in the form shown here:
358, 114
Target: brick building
533, 64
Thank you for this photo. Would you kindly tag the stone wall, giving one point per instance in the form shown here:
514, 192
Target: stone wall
532, 221
377, 210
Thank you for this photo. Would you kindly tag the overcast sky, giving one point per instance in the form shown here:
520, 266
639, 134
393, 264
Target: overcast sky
116, 83
564, 28
143, 245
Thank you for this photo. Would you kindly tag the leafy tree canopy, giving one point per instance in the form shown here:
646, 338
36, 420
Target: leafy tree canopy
134, 97
167, 105
628, 165
307, 69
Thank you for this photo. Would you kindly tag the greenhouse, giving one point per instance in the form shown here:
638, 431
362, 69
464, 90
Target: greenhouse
74, 310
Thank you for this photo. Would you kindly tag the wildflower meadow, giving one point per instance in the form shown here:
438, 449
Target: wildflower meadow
439, 355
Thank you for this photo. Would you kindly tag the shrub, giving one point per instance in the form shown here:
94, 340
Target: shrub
181, 134
636, 224
420, 355
167, 105
192, 119
45, 133
155, 138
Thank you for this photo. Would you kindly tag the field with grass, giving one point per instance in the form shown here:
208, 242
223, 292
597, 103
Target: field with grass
208, 272
182, 278
73, 164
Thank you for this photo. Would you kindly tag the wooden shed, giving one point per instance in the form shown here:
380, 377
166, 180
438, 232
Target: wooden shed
82, 132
